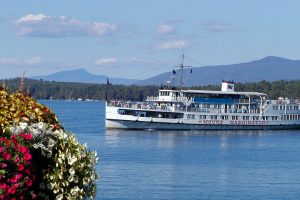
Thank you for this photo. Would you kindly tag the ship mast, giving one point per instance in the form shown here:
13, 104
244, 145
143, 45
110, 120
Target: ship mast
181, 66
181, 74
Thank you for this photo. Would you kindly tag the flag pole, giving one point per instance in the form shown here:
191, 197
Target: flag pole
107, 83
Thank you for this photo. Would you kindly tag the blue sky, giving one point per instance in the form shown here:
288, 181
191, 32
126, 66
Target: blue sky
139, 39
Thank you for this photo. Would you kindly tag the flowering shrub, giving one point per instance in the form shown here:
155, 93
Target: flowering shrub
16, 174
74, 171
17, 107
39, 159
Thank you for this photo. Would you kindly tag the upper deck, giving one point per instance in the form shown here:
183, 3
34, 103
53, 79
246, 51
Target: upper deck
168, 95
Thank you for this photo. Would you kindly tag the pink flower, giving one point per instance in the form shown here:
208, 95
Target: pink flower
17, 159
22, 149
20, 167
6, 156
28, 182
3, 186
26, 136
27, 157
14, 179
4, 165
11, 190
34, 196
1, 149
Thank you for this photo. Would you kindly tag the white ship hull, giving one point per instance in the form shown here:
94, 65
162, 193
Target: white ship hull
117, 121
127, 124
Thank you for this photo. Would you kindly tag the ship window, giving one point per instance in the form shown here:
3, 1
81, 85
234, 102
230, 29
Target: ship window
265, 118
214, 117
234, 117
202, 116
190, 116
255, 117
274, 117
121, 112
224, 117
245, 117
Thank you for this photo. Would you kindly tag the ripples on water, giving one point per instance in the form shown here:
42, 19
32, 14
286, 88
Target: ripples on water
186, 164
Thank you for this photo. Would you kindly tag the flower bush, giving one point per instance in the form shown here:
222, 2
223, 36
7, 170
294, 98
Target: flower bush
16, 174
39, 158
73, 173
17, 107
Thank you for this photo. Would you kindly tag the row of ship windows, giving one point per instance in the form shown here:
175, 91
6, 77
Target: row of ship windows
228, 106
285, 107
226, 117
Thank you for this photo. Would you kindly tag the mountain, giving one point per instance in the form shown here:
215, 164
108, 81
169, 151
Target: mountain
270, 68
82, 76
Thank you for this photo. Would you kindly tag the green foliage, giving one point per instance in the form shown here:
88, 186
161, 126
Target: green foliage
60, 90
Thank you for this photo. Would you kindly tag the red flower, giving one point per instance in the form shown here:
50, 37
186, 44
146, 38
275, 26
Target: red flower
6, 156
20, 167
28, 136
27, 157
17, 159
22, 149
11, 190
3, 186
14, 179
28, 182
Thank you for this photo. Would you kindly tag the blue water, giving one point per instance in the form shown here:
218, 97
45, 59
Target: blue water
186, 164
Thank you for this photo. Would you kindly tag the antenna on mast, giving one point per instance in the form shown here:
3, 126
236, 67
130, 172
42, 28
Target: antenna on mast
21, 86
181, 66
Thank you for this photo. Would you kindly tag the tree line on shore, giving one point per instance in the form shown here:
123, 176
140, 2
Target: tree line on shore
40, 89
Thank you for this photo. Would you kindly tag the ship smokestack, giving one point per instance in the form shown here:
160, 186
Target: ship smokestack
227, 86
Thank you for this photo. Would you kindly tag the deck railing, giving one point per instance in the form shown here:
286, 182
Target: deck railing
174, 108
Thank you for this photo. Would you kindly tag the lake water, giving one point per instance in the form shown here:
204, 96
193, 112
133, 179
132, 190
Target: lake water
185, 164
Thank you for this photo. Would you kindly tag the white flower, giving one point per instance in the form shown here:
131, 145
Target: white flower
60, 197
74, 190
51, 143
72, 171
70, 178
50, 186
23, 125
71, 160
41, 125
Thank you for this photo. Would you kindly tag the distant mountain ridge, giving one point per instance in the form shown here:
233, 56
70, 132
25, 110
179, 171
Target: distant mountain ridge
82, 76
270, 68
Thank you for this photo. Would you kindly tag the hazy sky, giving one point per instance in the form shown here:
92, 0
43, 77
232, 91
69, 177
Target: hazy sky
138, 38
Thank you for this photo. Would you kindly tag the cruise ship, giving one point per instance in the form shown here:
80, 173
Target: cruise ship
184, 109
